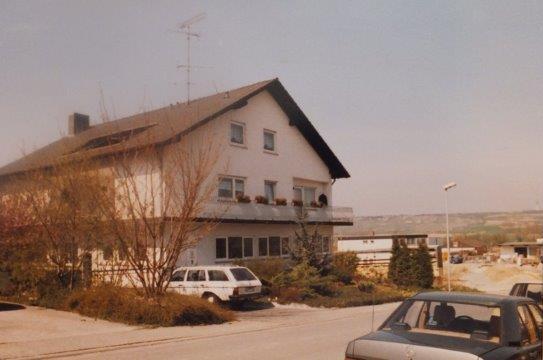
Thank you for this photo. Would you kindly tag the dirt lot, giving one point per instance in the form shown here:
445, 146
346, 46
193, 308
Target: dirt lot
494, 278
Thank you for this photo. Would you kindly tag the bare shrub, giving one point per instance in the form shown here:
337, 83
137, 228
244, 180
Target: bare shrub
127, 306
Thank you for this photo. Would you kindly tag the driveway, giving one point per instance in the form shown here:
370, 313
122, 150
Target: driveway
275, 333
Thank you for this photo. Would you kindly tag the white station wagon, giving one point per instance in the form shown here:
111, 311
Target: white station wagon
216, 283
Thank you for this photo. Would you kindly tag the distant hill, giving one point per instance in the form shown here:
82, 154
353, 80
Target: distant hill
492, 227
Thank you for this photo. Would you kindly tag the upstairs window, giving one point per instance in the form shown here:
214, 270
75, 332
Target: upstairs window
269, 140
237, 135
305, 194
231, 188
309, 195
269, 190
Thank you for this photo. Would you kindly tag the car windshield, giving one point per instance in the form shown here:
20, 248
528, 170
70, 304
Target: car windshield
242, 274
476, 322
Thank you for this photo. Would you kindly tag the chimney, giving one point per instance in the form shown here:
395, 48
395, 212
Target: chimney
77, 123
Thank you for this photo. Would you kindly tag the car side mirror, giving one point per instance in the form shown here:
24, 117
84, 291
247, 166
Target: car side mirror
479, 335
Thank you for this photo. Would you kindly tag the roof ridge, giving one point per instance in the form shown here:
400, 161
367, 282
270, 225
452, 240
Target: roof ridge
180, 104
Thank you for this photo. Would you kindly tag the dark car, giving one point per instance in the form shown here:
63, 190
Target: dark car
457, 259
442, 325
530, 290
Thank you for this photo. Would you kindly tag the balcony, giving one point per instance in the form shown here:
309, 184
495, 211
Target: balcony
234, 212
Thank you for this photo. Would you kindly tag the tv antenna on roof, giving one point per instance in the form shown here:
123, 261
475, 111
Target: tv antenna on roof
185, 28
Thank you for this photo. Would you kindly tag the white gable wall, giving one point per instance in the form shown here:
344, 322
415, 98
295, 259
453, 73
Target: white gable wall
294, 158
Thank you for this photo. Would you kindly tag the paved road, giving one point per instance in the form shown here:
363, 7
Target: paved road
277, 333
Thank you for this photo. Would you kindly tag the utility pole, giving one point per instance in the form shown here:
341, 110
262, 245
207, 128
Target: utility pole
185, 28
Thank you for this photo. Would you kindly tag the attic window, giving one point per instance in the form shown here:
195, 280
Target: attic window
112, 139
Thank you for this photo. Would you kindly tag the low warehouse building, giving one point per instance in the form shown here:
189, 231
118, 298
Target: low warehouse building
528, 250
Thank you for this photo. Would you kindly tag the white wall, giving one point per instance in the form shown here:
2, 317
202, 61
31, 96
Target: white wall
294, 158
364, 245
144, 191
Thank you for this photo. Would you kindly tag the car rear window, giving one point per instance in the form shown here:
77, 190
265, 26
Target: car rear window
470, 321
242, 274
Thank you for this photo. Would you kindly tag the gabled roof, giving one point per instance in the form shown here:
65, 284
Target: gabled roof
169, 124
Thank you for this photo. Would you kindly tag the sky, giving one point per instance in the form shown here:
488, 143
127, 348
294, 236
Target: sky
409, 94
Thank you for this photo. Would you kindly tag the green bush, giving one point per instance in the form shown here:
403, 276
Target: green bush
348, 296
344, 266
410, 268
423, 271
265, 269
126, 306
307, 279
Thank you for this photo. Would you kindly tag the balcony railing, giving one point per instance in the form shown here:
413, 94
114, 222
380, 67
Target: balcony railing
262, 213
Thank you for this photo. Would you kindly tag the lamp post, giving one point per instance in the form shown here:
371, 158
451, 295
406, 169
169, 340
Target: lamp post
446, 188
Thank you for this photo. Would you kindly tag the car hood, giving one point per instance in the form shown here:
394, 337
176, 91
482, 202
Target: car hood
404, 341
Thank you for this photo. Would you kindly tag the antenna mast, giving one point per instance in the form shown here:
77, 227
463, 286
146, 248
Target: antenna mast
184, 28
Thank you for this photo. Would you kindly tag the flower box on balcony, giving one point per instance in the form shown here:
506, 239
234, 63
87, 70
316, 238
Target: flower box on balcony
297, 203
261, 199
315, 204
281, 201
243, 199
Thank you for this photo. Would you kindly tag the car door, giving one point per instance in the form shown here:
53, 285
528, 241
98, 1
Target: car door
177, 282
531, 338
219, 284
195, 283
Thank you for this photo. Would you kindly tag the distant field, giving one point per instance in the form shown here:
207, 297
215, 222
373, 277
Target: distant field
475, 228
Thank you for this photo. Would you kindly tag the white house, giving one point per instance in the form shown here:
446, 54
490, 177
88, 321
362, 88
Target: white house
268, 148
377, 249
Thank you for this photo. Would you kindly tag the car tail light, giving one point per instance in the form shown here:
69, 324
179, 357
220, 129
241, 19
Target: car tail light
236, 292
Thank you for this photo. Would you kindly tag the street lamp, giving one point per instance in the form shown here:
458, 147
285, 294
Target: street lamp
446, 188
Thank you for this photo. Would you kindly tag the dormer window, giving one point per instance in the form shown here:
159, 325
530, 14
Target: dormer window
237, 133
269, 140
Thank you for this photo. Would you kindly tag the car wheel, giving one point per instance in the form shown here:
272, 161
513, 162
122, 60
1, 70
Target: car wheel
212, 298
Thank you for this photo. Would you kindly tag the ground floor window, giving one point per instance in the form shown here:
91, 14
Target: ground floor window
233, 247
247, 247
263, 246
273, 246
238, 247
220, 248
